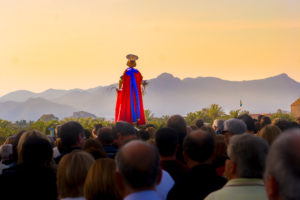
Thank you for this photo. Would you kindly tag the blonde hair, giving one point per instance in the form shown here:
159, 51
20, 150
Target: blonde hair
27, 136
71, 173
269, 133
100, 182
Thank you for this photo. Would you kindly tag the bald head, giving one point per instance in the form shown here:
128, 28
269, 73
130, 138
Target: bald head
199, 146
138, 164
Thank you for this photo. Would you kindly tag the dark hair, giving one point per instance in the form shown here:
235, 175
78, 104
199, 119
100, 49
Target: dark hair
199, 123
124, 128
69, 133
87, 133
248, 121
264, 121
178, 123
37, 151
143, 135
97, 127
199, 148
166, 140
94, 147
105, 135
142, 170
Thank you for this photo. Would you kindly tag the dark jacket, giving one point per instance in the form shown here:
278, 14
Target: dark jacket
200, 181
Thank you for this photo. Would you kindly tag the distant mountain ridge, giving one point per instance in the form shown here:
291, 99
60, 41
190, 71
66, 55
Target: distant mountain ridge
165, 95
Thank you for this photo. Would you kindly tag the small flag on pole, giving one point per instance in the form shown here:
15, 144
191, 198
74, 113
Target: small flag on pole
241, 104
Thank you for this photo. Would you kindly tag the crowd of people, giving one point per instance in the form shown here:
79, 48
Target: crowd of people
239, 158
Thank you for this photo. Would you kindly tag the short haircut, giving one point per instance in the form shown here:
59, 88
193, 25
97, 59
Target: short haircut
248, 121
69, 133
124, 128
219, 123
265, 120
166, 140
105, 135
235, 126
37, 151
71, 173
178, 123
143, 135
95, 148
140, 170
249, 153
87, 133
283, 163
199, 145
6, 150
199, 123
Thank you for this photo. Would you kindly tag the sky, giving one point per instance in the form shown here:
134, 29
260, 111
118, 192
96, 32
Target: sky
66, 44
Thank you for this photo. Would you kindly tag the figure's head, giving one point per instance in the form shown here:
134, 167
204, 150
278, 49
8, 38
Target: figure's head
233, 127
131, 60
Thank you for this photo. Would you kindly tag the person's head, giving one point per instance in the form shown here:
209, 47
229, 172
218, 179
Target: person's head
105, 135
100, 182
123, 132
249, 122
87, 133
269, 133
166, 140
247, 154
233, 127
199, 123
95, 148
265, 120
143, 135
198, 148
218, 125
283, 124
220, 146
137, 167
36, 151
283, 167
27, 135
96, 129
72, 135
177, 123
209, 130
71, 173
131, 60
6, 151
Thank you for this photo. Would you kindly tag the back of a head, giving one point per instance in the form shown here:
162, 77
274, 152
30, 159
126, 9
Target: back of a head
283, 163
71, 173
105, 135
100, 182
166, 140
199, 123
265, 120
95, 148
124, 128
143, 135
284, 125
219, 124
249, 153
177, 123
235, 126
6, 150
248, 121
269, 133
69, 133
37, 151
199, 146
97, 127
138, 164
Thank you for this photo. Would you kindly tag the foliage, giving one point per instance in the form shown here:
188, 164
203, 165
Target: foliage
279, 114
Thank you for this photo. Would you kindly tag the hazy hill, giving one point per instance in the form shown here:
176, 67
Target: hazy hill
165, 95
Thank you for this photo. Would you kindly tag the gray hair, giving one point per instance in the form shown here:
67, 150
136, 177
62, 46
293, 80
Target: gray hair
235, 126
6, 150
283, 163
219, 123
249, 152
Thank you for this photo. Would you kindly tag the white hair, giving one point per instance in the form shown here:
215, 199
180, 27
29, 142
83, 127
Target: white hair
283, 163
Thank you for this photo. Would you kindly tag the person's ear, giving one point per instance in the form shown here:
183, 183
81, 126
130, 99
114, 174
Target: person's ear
271, 187
159, 177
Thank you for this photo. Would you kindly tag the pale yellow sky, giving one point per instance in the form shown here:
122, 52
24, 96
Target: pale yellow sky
66, 44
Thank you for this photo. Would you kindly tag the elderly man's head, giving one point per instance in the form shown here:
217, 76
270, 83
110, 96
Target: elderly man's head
282, 175
123, 132
247, 154
233, 127
137, 166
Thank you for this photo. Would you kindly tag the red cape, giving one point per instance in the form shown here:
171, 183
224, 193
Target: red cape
123, 105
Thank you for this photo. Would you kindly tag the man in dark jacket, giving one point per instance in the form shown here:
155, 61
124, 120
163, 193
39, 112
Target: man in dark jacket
202, 179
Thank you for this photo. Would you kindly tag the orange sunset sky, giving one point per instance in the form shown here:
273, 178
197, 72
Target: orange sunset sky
66, 44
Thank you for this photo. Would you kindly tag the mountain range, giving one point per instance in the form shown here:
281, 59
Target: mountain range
165, 95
